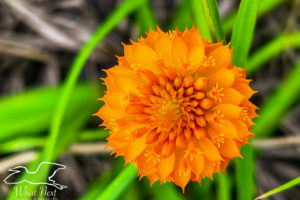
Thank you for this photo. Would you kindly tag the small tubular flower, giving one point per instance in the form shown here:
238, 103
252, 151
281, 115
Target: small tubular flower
176, 106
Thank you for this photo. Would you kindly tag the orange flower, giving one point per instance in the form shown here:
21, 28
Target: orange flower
176, 106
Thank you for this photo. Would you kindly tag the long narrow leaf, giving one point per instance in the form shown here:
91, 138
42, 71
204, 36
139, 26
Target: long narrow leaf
100, 183
277, 105
243, 31
280, 188
122, 11
200, 19
264, 7
116, 187
182, 17
204, 190
241, 41
145, 18
33, 109
245, 172
165, 191
273, 111
26, 143
271, 49
211, 11
71, 128
223, 187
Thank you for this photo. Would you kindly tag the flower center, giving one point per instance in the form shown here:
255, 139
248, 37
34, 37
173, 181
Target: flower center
169, 113
174, 108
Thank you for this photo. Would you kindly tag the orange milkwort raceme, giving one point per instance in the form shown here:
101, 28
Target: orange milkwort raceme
176, 106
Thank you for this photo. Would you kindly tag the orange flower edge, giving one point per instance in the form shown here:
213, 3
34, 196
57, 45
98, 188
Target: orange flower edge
176, 106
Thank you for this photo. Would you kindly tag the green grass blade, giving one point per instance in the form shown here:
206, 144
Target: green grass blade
21, 144
113, 19
69, 131
271, 49
204, 191
132, 192
99, 184
200, 19
280, 188
277, 105
271, 114
245, 174
165, 191
116, 187
182, 17
223, 187
264, 7
33, 110
211, 12
145, 18
228, 22
241, 41
243, 31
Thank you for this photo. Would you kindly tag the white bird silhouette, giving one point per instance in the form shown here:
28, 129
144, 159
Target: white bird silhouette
12, 178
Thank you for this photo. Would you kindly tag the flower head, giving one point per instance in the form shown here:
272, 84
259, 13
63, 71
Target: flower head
176, 106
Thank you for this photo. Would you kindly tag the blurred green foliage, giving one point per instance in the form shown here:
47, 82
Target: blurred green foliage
25, 118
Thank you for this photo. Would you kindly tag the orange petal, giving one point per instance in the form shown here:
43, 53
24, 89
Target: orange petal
108, 114
145, 165
209, 47
222, 56
126, 83
116, 100
115, 143
243, 130
195, 58
163, 47
224, 165
152, 38
209, 149
229, 148
244, 88
137, 53
168, 149
196, 163
148, 75
152, 178
119, 69
152, 137
232, 96
178, 52
208, 168
179, 140
229, 110
165, 167
224, 77
227, 128
192, 38
201, 83
140, 56
212, 133
182, 177
135, 148
135, 109
199, 133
